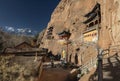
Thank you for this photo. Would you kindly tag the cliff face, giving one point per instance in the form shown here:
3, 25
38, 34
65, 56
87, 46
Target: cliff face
110, 22
69, 15
40, 36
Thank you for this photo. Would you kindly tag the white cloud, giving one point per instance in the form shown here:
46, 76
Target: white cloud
10, 28
21, 30
29, 31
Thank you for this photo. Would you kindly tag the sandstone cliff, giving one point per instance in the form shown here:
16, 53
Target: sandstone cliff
40, 36
69, 15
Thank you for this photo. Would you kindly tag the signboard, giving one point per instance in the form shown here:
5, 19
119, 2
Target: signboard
91, 36
63, 41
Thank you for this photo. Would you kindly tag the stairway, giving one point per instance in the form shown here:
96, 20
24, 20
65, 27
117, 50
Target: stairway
111, 68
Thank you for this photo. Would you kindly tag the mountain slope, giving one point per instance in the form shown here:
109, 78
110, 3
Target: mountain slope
10, 40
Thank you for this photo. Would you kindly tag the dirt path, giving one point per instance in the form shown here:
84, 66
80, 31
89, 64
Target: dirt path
54, 74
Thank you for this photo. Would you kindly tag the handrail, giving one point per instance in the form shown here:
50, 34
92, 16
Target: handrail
100, 60
114, 46
40, 69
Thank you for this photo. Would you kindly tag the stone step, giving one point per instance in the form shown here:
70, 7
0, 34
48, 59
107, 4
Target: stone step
111, 68
106, 75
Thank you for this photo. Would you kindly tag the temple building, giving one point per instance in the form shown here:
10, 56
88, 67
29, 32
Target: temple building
92, 23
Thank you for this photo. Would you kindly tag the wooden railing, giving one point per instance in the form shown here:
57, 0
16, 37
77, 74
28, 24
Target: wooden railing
100, 63
40, 69
27, 53
115, 48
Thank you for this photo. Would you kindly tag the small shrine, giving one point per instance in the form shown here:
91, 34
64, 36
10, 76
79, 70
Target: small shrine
49, 34
64, 35
64, 40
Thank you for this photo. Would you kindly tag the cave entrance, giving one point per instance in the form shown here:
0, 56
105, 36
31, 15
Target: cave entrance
76, 58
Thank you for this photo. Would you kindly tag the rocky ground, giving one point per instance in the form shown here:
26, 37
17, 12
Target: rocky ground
18, 68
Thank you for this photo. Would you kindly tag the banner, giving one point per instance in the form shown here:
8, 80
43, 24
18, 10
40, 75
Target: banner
91, 36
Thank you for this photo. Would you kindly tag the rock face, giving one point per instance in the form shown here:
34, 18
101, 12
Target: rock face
69, 15
40, 36
109, 32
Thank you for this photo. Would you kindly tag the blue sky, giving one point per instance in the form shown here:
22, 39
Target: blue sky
33, 14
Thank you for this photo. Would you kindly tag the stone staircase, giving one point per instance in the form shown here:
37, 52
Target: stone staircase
111, 68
